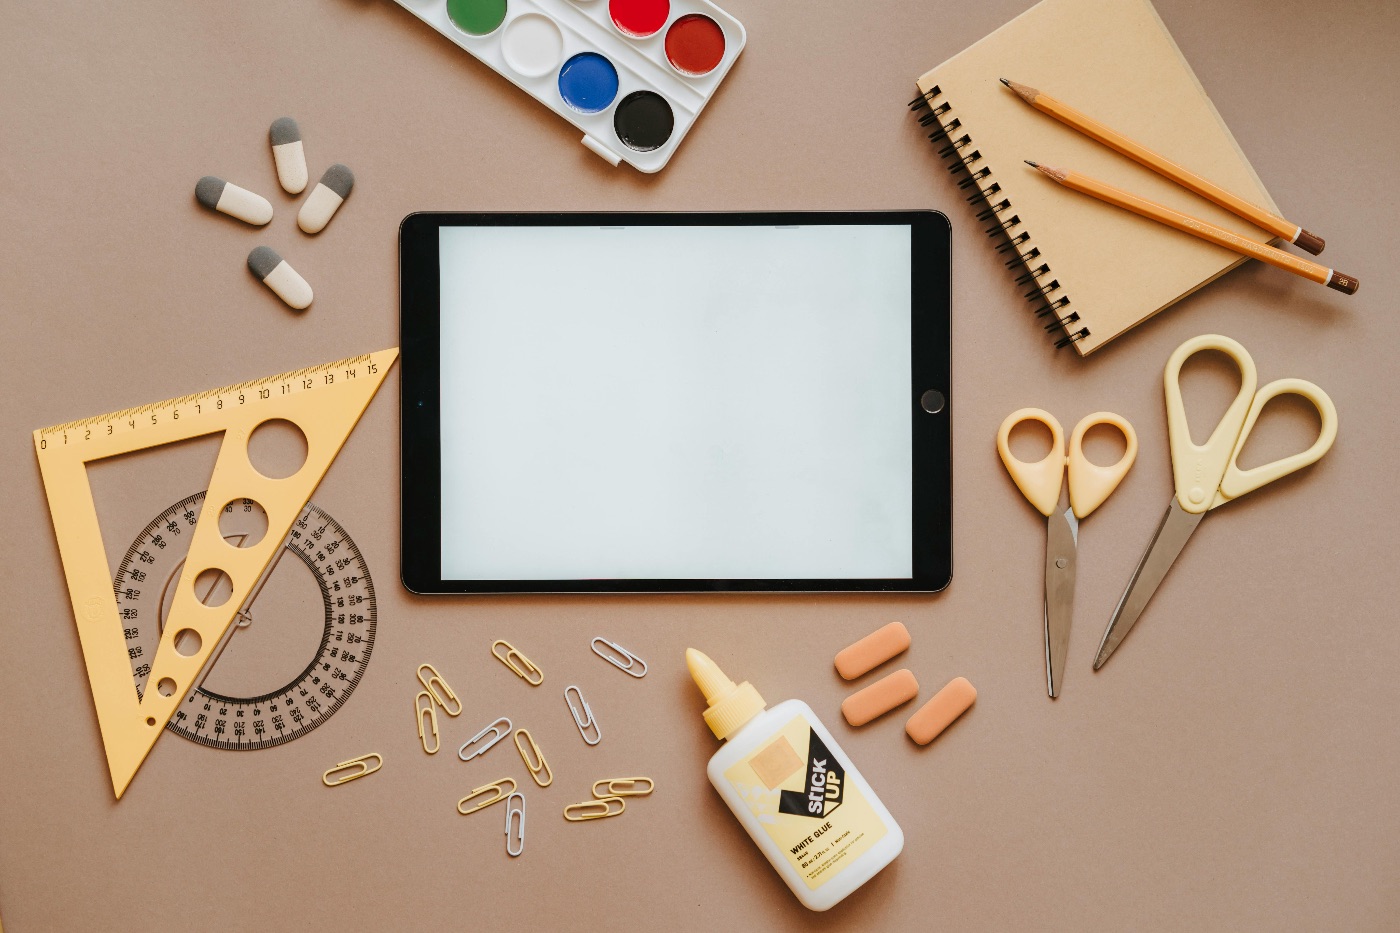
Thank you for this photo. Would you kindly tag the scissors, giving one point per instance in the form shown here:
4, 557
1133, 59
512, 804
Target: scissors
1041, 483
1209, 476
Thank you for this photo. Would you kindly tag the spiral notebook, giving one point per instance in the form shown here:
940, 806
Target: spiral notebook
1091, 270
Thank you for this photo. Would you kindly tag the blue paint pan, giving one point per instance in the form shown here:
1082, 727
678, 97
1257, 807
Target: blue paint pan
588, 82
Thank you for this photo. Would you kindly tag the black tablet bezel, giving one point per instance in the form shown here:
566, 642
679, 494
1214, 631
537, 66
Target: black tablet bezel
419, 368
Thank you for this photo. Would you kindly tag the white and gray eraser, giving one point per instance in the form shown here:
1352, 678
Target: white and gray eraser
288, 154
272, 270
325, 199
218, 195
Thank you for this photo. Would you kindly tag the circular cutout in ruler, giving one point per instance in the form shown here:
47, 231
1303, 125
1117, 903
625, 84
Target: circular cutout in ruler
318, 602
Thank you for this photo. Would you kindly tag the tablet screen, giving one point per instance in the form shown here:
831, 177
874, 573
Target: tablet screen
690, 402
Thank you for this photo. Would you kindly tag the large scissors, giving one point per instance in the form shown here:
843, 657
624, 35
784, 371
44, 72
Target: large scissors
1041, 483
1209, 476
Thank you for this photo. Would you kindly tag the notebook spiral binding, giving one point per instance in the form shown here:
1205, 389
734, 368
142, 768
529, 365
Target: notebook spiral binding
1005, 229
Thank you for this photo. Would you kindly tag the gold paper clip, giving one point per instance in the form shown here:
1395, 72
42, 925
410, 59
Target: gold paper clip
361, 764
594, 809
430, 713
499, 786
515, 844
526, 670
624, 787
442, 698
539, 768
584, 724
619, 657
494, 730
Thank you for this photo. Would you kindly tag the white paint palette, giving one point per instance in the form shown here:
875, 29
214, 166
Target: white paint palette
633, 75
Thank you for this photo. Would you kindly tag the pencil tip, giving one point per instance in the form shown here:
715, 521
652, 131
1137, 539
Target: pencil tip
1027, 94
1032, 164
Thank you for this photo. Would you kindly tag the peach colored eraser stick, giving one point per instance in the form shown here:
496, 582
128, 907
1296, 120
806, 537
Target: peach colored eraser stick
940, 711
872, 650
880, 697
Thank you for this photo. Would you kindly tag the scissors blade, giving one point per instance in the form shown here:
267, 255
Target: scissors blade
1061, 550
1171, 536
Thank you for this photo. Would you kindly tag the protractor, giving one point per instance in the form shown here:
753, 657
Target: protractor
315, 600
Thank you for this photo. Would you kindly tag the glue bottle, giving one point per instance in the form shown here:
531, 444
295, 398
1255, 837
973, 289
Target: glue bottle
809, 811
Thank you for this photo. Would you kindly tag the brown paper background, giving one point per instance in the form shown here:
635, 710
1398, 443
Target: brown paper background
1232, 768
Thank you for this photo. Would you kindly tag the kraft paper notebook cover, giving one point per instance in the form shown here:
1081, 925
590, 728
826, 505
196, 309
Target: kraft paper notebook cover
1091, 269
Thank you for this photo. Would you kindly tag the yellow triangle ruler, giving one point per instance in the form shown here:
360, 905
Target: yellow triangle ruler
325, 402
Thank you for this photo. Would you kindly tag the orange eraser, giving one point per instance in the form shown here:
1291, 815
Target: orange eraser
940, 711
872, 650
880, 697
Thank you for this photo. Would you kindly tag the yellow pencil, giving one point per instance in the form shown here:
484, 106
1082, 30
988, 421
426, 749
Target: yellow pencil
1197, 227
1160, 164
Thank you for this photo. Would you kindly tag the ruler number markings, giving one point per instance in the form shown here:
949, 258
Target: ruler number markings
241, 395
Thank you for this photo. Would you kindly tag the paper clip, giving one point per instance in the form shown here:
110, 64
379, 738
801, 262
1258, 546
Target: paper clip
594, 809
515, 844
443, 698
583, 723
539, 766
494, 730
624, 787
499, 786
362, 764
630, 659
430, 713
526, 671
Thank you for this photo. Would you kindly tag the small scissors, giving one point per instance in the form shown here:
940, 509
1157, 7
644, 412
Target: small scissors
1210, 476
1041, 483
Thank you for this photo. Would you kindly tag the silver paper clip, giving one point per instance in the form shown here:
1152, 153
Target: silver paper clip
497, 731
624, 659
584, 720
515, 843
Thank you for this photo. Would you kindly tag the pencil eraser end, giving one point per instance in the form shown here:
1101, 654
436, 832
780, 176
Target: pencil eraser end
880, 697
872, 650
939, 712
1343, 283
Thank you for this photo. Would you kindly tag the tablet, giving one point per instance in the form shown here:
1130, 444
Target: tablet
664, 402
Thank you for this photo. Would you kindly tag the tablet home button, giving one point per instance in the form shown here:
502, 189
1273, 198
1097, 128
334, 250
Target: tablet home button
932, 401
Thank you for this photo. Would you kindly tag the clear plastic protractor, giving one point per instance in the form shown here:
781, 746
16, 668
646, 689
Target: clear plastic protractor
299, 645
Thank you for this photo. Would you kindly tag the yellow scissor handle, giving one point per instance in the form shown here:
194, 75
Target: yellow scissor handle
1199, 470
1040, 481
1237, 482
1089, 483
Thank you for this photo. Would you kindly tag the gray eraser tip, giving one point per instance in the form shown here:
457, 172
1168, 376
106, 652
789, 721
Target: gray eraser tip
284, 130
262, 260
339, 179
208, 190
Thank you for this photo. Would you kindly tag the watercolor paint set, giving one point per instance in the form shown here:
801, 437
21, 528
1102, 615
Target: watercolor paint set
633, 75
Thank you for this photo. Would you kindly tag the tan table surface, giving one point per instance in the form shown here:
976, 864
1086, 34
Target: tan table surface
1233, 768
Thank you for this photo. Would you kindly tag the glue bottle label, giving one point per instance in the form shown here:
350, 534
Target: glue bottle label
797, 790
